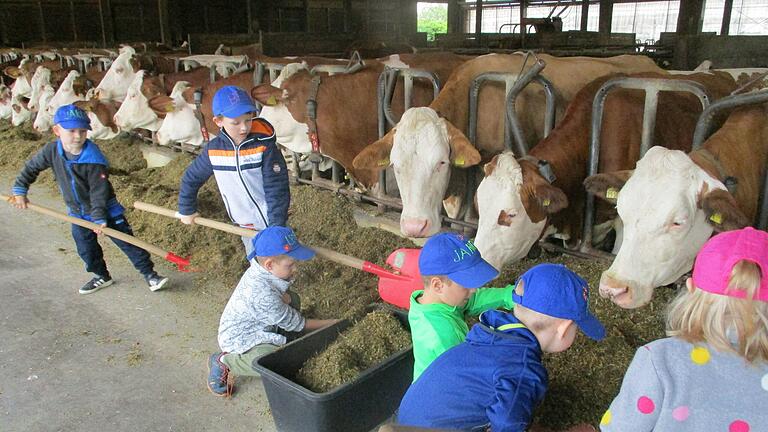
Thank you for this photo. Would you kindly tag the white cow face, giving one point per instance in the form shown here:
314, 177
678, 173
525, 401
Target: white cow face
40, 79
6, 109
180, 125
505, 231
290, 133
134, 112
20, 112
99, 131
42, 121
118, 78
668, 208
20, 87
421, 149
64, 95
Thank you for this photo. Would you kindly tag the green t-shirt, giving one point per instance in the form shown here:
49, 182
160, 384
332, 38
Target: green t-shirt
437, 327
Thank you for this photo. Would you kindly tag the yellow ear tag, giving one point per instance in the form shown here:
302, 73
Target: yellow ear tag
272, 101
459, 161
716, 218
383, 162
546, 202
169, 107
612, 193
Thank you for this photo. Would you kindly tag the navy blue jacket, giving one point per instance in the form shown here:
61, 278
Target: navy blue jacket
494, 378
83, 181
252, 178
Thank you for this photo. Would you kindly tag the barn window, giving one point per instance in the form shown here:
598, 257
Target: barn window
504, 16
645, 19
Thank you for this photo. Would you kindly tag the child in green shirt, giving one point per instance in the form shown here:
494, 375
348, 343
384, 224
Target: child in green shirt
453, 270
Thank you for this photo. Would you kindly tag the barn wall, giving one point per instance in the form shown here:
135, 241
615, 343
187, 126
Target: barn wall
108, 22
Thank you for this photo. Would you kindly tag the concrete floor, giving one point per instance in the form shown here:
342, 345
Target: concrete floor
120, 359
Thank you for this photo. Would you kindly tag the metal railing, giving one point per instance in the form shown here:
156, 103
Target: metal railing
652, 87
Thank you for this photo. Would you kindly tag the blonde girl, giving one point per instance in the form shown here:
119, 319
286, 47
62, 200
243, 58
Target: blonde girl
711, 374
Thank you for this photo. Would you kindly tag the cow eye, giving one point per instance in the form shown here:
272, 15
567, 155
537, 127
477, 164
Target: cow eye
119, 70
678, 223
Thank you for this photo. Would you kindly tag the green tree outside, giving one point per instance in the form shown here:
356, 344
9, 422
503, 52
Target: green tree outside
433, 19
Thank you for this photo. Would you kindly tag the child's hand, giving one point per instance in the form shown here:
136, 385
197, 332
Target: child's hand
286, 298
99, 231
188, 219
20, 201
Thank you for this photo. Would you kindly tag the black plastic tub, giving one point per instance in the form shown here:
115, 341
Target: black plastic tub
357, 406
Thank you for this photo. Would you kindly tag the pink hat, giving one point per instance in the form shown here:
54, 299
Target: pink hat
718, 256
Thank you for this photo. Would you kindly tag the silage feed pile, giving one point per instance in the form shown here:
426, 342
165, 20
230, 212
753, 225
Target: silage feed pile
583, 379
366, 344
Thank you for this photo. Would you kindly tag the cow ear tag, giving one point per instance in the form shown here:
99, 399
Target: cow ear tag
272, 101
384, 162
716, 218
612, 193
459, 161
546, 202
169, 107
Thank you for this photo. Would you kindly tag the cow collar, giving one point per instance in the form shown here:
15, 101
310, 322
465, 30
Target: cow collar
545, 169
712, 161
314, 138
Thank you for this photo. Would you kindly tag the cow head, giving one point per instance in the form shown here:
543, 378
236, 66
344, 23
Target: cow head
135, 112
101, 114
513, 202
118, 78
180, 123
421, 148
6, 109
290, 133
40, 79
64, 95
43, 122
20, 112
669, 207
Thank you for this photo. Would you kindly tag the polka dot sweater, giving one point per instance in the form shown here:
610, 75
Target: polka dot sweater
672, 385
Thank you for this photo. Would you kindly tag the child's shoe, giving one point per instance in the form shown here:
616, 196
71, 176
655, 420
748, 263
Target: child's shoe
96, 284
219, 382
155, 281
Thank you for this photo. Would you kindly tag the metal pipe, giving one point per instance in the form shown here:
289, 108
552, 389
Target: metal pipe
408, 75
258, 73
598, 105
649, 120
704, 124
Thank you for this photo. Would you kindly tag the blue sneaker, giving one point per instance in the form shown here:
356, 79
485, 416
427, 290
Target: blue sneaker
219, 382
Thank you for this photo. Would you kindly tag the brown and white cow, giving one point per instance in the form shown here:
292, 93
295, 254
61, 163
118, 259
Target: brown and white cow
672, 202
119, 76
515, 202
347, 116
65, 94
422, 193
101, 114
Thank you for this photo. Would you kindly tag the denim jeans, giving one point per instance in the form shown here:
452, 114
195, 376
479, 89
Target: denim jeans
91, 253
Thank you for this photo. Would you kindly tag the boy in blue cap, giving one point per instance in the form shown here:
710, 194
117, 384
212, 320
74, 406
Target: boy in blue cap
82, 173
259, 308
452, 270
496, 378
249, 168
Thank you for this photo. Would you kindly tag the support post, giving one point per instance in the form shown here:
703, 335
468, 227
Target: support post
454, 17
523, 13
584, 15
42, 20
72, 19
725, 27
249, 12
478, 21
606, 16
165, 28
691, 17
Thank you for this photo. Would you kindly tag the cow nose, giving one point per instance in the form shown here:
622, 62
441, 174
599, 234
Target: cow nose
617, 291
415, 227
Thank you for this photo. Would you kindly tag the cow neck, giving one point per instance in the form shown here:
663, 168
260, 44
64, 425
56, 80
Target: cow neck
710, 163
314, 138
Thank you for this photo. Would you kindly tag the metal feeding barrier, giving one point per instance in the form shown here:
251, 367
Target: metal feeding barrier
385, 90
704, 130
652, 87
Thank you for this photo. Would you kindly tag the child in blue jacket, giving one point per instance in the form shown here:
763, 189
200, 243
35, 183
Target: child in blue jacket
82, 174
249, 168
496, 377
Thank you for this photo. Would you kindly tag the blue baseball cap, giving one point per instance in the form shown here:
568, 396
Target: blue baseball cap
455, 256
555, 290
279, 240
71, 117
232, 101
